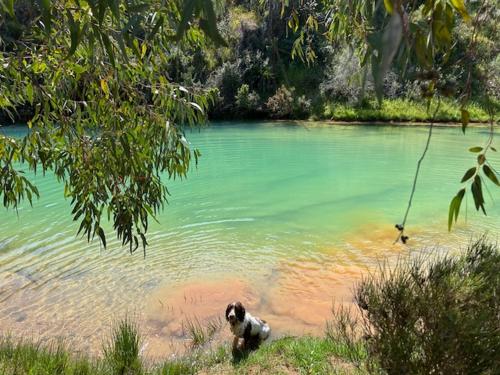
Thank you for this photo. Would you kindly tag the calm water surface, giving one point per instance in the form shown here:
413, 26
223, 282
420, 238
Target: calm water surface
283, 217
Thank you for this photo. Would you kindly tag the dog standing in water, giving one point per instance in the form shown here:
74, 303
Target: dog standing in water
247, 327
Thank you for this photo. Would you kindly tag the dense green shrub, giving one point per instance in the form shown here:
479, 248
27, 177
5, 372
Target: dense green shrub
301, 107
227, 79
280, 105
435, 317
493, 81
257, 72
284, 104
345, 81
247, 101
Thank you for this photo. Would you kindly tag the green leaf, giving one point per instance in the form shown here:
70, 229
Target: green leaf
481, 159
471, 172
186, 17
39, 67
455, 207
8, 5
388, 6
460, 7
115, 9
104, 87
476, 149
156, 27
102, 6
493, 149
46, 14
465, 119
490, 174
211, 30
109, 48
79, 69
477, 194
388, 46
102, 236
74, 29
29, 92
423, 52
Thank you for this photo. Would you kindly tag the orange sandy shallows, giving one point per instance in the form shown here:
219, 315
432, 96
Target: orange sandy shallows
295, 297
168, 310
295, 301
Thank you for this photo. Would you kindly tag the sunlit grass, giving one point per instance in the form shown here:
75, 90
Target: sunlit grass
402, 110
200, 334
28, 357
122, 352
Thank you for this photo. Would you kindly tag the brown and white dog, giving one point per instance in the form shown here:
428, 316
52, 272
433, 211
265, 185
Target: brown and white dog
247, 327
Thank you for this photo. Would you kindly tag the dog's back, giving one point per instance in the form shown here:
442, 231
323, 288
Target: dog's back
259, 327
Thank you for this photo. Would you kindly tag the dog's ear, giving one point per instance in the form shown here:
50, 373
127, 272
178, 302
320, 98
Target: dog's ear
228, 310
239, 311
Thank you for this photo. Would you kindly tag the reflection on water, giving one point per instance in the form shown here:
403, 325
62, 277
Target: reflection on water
282, 218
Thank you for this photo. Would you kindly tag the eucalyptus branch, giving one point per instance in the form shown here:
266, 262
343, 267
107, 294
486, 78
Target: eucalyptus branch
401, 236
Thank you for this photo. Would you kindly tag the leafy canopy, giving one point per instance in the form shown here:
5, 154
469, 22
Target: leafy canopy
108, 121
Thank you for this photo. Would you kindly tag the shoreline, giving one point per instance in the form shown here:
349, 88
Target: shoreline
312, 123
394, 123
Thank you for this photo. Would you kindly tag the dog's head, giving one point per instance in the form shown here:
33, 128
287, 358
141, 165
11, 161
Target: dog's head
235, 312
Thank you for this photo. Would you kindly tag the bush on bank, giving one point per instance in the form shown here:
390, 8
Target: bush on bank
435, 316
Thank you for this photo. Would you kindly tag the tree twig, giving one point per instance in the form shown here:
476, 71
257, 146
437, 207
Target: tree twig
415, 179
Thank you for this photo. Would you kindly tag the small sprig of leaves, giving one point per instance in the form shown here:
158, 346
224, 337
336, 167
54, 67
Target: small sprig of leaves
475, 176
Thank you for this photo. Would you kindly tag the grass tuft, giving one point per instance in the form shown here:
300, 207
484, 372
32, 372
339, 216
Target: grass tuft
26, 357
122, 352
178, 367
199, 334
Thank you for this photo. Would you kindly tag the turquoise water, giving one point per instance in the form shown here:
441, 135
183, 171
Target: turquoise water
273, 212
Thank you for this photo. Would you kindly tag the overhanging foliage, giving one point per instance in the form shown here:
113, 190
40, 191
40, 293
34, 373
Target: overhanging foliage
108, 120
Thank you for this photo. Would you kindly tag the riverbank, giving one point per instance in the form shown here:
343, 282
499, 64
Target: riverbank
287, 355
418, 317
403, 110
390, 112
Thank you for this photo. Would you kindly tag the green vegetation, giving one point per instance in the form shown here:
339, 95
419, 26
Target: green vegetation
26, 357
200, 335
425, 315
122, 352
94, 97
436, 315
402, 110
107, 104
307, 355
128, 77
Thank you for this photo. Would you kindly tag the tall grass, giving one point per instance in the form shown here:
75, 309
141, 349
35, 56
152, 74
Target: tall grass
199, 334
122, 352
27, 357
344, 329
